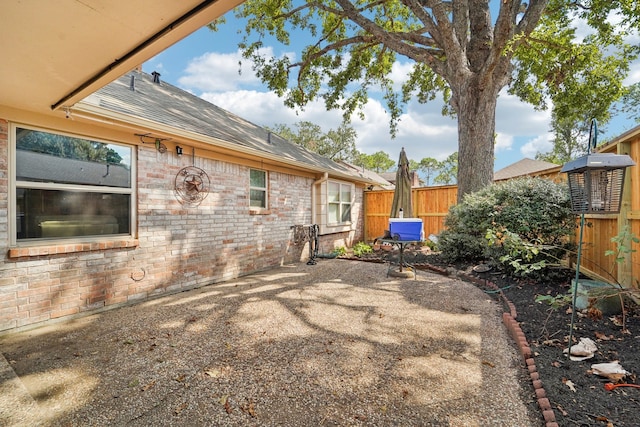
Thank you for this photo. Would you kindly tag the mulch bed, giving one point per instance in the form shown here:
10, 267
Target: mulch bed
576, 395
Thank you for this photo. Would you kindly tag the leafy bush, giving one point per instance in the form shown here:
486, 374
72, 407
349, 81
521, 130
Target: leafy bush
339, 251
536, 211
361, 248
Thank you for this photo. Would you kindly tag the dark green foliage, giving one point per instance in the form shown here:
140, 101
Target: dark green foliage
537, 210
461, 246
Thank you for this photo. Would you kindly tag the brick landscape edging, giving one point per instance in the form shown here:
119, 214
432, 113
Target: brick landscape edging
515, 331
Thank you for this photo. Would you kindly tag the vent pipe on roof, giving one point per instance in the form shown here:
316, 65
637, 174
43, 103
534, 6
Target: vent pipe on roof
132, 83
269, 137
156, 77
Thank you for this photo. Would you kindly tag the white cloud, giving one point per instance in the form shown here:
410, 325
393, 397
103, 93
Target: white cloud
503, 142
399, 73
541, 144
215, 72
422, 130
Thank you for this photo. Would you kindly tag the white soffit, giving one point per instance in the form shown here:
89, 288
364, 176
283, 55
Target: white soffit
55, 53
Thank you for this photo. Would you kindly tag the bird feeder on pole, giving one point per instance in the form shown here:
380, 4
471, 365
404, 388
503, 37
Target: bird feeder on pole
596, 182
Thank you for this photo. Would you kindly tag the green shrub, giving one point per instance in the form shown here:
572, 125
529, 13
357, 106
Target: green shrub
361, 248
536, 210
339, 251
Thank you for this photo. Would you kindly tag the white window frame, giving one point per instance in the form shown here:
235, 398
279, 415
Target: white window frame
341, 203
14, 184
326, 223
264, 189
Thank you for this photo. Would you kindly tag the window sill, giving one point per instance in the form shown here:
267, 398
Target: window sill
68, 248
331, 229
259, 211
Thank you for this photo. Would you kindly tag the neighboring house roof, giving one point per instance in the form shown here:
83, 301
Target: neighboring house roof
522, 168
137, 95
383, 183
40, 167
391, 177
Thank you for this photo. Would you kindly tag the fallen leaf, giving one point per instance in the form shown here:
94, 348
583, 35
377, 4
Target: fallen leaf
556, 364
616, 320
486, 362
603, 337
594, 314
561, 409
249, 408
181, 408
180, 378
148, 386
227, 407
252, 409
223, 399
569, 384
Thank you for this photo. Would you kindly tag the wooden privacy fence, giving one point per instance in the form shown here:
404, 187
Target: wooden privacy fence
432, 204
601, 228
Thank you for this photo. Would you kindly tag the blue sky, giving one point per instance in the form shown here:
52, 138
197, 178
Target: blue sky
206, 64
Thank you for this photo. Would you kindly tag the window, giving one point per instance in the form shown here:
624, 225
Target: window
339, 203
258, 189
68, 186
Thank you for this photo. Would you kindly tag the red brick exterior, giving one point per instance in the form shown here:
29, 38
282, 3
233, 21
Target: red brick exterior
175, 248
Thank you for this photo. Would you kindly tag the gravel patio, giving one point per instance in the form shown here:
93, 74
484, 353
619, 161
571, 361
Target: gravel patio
333, 344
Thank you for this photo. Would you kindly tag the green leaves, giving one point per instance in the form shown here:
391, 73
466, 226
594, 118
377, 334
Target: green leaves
539, 48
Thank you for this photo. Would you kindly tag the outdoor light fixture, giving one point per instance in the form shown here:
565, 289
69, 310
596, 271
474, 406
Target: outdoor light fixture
178, 150
596, 182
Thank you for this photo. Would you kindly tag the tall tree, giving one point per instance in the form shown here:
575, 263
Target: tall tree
569, 141
448, 171
341, 144
466, 49
630, 104
336, 144
428, 166
377, 162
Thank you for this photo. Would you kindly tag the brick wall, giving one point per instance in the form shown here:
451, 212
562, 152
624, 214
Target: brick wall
177, 247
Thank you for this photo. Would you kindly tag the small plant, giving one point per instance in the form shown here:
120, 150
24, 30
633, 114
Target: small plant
556, 302
521, 256
624, 240
361, 248
339, 251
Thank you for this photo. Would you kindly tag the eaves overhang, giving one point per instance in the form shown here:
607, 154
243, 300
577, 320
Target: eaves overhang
109, 118
57, 53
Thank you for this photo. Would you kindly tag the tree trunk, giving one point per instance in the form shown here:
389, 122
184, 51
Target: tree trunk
476, 110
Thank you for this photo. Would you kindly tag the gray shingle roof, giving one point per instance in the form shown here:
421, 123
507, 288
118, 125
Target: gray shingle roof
168, 105
523, 167
39, 167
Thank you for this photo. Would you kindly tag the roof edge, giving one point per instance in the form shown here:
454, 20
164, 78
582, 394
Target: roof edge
109, 117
